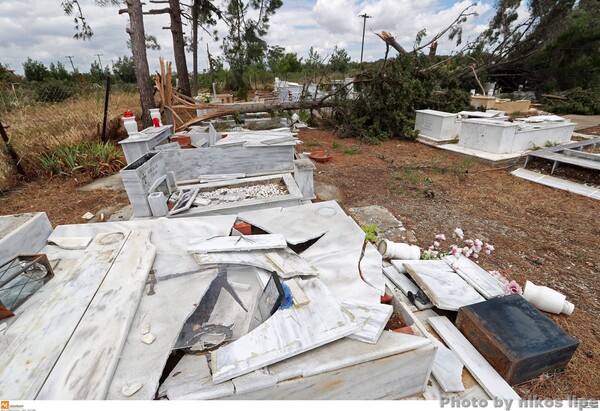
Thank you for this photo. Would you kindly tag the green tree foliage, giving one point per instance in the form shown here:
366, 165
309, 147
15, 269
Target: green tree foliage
391, 93
35, 70
556, 47
124, 69
97, 73
339, 61
58, 71
243, 46
280, 62
6, 75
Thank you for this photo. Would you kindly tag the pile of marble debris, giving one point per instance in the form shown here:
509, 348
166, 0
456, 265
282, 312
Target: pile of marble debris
336, 288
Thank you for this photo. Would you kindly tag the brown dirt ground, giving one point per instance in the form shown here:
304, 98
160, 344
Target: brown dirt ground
60, 199
540, 234
544, 235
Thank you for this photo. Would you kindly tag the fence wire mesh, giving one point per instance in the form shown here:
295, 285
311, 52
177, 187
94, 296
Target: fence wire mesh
41, 116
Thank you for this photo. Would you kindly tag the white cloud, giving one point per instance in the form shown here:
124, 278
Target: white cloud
336, 16
42, 31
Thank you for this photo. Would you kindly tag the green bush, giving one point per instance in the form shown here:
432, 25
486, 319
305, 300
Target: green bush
578, 101
94, 159
54, 91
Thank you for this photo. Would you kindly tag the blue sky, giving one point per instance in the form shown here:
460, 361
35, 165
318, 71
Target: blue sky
41, 31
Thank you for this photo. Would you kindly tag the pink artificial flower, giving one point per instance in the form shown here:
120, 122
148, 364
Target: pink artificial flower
469, 243
431, 248
436, 244
459, 233
475, 256
477, 246
455, 251
513, 288
488, 248
440, 237
455, 264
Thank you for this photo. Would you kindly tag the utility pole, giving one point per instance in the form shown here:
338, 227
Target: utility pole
362, 46
100, 61
71, 60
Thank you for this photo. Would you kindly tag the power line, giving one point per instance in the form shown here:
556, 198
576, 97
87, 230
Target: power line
362, 46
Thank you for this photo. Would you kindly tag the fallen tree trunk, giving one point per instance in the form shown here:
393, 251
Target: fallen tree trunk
244, 108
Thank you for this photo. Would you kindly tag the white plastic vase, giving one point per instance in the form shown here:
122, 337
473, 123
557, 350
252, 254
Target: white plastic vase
547, 299
130, 125
155, 113
398, 251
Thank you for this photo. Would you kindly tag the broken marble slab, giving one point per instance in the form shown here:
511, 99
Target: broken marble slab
372, 318
236, 243
370, 268
23, 234
293, 264
447, 369
286, 333
345, 353
29, 360
191, 380
70, 243
85, 368
476, 276
337, 251
446, 289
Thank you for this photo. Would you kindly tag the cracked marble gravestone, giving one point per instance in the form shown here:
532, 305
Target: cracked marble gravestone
389, 226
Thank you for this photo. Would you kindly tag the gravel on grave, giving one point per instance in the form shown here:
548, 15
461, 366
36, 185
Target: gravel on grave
233, 194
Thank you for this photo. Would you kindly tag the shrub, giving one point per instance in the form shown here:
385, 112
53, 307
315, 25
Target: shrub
54, 91
94, 159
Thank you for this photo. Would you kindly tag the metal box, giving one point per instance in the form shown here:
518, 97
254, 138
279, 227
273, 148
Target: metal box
517, 339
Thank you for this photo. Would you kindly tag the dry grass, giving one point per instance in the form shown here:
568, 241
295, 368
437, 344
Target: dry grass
35, 128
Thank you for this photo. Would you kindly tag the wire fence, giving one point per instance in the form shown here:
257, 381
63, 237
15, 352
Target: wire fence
38, 117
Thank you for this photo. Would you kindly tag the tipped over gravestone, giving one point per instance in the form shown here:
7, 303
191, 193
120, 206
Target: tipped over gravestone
517, 339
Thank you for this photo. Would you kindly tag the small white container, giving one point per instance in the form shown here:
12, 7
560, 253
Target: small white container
158, 204
547, 299
398, 251
155, 113
130, 124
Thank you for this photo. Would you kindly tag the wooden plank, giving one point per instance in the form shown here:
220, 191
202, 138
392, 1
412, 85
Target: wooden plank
483, 372
446, 289
86, 366
405, 284
236, 243
29, 360
298, 295
476, 276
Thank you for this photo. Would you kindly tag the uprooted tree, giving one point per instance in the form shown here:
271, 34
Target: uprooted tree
390, 92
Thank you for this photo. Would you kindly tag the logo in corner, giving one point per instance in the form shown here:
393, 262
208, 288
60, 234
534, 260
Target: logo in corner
4, 405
